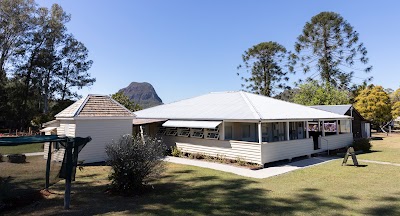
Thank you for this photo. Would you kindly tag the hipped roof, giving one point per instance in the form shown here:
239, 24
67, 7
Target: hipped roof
237, 105
95, 106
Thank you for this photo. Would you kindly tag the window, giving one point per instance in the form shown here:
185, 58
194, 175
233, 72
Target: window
246, 131
264, 132
212, 133
171, 132
345, 126
228, 132
198, 133
279, 131
184, 132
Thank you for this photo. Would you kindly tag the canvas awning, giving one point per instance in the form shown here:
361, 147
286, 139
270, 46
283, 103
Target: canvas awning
48, 129
192, 124
146, 121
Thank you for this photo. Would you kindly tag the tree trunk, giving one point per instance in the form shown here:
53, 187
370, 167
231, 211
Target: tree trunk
46, 93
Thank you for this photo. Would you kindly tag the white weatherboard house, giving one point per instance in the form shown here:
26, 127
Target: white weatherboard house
97, 116
242, 125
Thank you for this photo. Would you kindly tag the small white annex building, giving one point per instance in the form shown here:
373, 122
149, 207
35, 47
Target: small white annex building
97, 116
242, 125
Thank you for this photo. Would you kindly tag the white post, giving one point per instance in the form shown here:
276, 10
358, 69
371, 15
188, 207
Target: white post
287, 131
307, 134
337, 127
222, 131
259, 133
141, 132
323, 129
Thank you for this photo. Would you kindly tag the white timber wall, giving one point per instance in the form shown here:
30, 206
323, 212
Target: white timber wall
232, 149
64, 128
275, 151
336, 141
103, 132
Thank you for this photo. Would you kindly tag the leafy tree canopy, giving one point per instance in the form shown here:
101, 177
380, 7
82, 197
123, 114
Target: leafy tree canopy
330, 48
373, 103
266, 64
124, 100
312, 93
41, 63
395, 98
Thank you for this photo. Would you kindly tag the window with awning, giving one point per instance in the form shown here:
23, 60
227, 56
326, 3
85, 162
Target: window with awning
192, 124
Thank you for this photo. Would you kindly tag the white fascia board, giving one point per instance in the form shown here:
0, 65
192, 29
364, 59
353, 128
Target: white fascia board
65, 118
192, 124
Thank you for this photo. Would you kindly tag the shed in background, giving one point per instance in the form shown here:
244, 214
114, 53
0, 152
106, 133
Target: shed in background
361, 126
97, 116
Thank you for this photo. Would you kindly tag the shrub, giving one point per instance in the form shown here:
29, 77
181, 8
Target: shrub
134, 162
176, 152
240, 161
1, 157
196, 156
362, 144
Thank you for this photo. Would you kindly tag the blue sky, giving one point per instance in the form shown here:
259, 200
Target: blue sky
188, 48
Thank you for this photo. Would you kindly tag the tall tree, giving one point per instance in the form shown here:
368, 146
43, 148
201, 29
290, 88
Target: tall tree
15, 24
43, 60
55, 32
75, 66
312, 93
329, 46
373, 103
267, 65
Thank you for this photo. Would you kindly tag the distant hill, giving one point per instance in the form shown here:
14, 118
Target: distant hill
142, 93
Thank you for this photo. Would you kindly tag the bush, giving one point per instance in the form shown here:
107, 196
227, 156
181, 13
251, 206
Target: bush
240, 161
197, 156
134, 162
1, 157
362, 144
176, 152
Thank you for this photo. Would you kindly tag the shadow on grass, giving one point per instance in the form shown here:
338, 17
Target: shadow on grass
377, 138
20, 184
184, 192
177, 195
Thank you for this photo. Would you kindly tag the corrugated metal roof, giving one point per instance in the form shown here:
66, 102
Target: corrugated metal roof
236, 105
192, 124
95, 106
338, 109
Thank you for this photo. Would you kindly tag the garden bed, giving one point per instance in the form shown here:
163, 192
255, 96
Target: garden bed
239, 162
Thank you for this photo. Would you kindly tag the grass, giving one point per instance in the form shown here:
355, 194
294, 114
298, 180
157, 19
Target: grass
20, 180
25, 148
327, 189
384, 148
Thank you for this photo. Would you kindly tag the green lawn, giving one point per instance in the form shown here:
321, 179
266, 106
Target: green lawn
327, 189
25, 179
25, 148
387, 149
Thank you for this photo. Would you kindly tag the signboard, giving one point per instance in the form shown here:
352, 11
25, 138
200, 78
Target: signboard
350, 152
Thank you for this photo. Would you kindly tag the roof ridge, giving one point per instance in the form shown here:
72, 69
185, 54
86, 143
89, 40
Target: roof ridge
81, 106
250, 104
